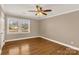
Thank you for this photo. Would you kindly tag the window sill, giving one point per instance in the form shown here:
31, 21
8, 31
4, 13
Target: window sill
18, 32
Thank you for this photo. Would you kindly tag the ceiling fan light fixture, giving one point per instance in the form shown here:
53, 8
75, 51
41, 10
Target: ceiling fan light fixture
40, 11
39, 14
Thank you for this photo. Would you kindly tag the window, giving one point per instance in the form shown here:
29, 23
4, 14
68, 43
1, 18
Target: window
24, 25
16, 25
13, 25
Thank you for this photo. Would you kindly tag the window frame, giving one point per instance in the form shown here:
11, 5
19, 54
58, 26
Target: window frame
19, 30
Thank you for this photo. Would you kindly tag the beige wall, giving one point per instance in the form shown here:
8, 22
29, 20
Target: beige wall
63, 28
0, 31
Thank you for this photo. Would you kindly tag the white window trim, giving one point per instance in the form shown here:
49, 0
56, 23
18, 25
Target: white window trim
19, 31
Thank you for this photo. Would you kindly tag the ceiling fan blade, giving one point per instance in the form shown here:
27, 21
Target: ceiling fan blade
49, 10
32, 11
38, 8
36, 14
44, 13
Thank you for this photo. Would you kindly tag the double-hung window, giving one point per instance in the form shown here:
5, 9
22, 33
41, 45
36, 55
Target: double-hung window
17, 25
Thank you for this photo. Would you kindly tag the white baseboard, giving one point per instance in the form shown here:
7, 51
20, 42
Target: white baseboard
72, 47
21, 38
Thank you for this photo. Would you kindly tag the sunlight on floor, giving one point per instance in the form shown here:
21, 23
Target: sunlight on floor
23, 49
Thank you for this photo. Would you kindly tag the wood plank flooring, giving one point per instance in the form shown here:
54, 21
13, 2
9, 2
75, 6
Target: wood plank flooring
36, 46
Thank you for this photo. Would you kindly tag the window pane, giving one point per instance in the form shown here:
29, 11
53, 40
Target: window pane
18, 25
24, 25
13, 25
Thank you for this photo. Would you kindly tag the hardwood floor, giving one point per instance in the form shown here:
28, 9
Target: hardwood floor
36, 46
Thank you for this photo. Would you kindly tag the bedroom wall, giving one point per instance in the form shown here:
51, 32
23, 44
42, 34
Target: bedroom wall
63, 28
2, 28
0, 31
34, 31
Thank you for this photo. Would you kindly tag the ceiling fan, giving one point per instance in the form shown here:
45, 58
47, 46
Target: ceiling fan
40, 11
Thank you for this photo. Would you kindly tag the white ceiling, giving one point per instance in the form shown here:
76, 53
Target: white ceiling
22, 9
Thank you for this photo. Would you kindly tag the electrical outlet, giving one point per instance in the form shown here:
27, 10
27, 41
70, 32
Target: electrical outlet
71, 42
